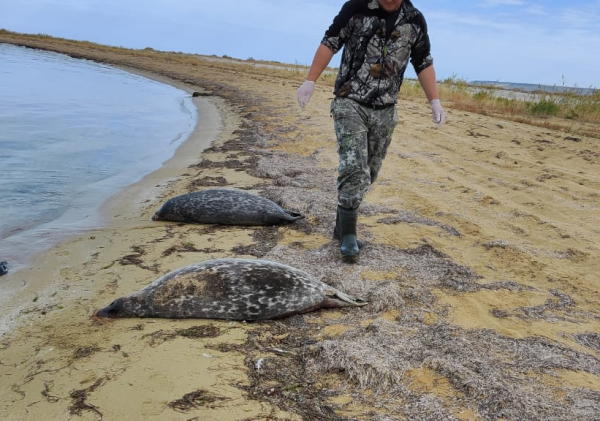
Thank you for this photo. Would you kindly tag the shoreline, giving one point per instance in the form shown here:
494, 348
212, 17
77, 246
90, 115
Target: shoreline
480, 266
28, 299
122, 209
24, 243
209, 126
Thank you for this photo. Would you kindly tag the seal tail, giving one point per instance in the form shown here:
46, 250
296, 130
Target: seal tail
292, 216
337, 298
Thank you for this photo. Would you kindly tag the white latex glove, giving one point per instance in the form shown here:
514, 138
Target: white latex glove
439, 116
304, 92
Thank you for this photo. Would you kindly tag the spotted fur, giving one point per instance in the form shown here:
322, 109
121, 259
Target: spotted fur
233, 289
224, 206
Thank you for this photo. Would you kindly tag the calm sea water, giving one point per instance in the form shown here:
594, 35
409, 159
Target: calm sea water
72, 133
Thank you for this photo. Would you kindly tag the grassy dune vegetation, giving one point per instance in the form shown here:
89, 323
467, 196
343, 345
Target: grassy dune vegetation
554, 110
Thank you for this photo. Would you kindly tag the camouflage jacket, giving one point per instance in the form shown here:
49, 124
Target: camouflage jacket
373, 62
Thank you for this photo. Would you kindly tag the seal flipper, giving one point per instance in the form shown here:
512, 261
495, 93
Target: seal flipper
336, 298
292, 216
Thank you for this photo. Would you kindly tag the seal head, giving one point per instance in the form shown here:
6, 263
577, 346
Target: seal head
115, 309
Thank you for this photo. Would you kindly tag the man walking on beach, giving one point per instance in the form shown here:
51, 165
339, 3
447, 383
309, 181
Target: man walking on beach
379, 37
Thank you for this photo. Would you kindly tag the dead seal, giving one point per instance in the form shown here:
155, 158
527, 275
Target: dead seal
224, 206
233, 289
3, 268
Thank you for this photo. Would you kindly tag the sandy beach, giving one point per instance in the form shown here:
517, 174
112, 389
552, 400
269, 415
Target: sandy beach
481, 266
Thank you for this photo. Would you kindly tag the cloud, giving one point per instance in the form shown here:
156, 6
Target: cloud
580, 18
496, 3
517, 47
535, 9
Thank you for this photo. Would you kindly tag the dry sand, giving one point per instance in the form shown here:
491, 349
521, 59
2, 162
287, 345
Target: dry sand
481, 264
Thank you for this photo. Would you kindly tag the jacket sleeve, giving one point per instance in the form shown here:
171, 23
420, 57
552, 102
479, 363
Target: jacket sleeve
420, 55
339, 31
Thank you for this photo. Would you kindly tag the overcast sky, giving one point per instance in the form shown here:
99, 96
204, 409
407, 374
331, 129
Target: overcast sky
548, 42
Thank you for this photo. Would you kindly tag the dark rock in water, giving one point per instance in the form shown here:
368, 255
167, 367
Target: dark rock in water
234, 289
3, 268
224, 206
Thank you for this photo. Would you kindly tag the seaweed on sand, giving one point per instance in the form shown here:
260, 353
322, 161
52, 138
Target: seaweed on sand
79, 397
85, 351
279, 377
194, 400
494, 375
407, 217
487, 374
591, 340
195, 332
187, 247
265, 239
135, 259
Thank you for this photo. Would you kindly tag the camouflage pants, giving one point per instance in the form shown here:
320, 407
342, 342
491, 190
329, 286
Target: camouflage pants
363, 136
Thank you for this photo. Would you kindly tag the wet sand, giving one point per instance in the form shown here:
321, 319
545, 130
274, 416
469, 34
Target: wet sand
481, 266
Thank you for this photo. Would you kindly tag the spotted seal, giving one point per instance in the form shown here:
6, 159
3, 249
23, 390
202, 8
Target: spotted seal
3, 268
224, 206
233, 289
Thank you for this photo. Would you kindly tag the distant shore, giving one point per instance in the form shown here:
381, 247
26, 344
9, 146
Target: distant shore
537, 88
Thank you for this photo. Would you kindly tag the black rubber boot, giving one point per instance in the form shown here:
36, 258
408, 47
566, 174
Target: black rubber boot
336, 232
347, 230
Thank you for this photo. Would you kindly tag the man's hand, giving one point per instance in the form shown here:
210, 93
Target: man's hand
439, 116
304, 92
